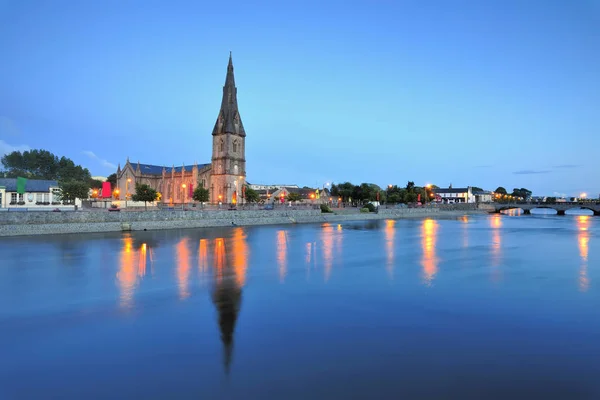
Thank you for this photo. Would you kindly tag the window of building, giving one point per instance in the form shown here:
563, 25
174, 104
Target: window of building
221, 145
39, 197
235, 146
21, 197
13, 197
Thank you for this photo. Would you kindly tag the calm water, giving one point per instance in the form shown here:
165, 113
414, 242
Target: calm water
474, 307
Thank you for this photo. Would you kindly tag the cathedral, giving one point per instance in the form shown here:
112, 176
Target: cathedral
224, 177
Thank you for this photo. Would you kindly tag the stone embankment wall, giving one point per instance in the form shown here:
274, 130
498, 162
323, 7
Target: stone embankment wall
38, 223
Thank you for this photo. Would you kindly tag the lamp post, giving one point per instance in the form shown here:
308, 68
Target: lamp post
127, 190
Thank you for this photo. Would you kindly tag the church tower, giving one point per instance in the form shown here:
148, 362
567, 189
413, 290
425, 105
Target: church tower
228, 170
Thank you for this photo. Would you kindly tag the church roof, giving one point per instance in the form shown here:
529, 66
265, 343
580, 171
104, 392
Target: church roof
228, 120
150, 169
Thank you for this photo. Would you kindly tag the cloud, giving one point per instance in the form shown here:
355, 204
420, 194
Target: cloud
529, 172
566, 166
8, 127
6, 148
104, 163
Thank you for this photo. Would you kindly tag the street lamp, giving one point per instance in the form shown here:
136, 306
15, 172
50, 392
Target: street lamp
127, 190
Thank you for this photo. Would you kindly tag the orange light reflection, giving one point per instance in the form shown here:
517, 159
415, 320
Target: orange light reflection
183, 267
583, 239
390, 232
282, 254
428, 241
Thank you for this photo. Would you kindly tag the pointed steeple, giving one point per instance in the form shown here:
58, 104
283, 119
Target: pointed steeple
228, 120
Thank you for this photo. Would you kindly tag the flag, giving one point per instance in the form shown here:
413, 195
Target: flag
21, 183
106, 190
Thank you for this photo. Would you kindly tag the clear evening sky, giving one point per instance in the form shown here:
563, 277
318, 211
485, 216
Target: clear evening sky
482, 93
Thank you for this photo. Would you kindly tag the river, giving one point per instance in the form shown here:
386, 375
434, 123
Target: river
489, 306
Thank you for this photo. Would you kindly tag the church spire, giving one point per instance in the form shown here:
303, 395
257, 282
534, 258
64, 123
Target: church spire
229, 120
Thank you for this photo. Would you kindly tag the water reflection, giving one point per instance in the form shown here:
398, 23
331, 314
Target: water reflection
128, 275
183, 267
282, 254
583, 239
227, 293
496, 224
239, 247
390, 232
465, 220
327, 239
429, 261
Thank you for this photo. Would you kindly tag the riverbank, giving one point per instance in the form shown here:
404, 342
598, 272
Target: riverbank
49, 223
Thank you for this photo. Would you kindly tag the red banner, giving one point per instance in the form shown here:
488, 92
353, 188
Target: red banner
106, 190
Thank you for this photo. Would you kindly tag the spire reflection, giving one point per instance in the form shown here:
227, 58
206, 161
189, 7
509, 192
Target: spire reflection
390, 232
128, 275
583, 238
428, 242
230, 264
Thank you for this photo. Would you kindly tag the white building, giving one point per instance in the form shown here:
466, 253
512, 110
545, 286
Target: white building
455, 195
38, 193
270, 187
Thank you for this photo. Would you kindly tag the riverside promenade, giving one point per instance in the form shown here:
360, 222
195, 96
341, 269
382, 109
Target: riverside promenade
52, 223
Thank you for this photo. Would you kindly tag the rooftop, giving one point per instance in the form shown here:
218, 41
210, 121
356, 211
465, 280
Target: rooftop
32, 185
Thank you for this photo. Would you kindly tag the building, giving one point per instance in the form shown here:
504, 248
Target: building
483, 196
224, 176
454, 195
254, 186
37, 193
307, 195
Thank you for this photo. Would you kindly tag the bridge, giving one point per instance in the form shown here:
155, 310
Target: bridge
560, 208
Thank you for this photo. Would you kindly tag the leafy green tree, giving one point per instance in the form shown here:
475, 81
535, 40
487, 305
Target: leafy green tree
523, 193
145, 193
501, 190
68, 191
95, 183
410, 186
294, 197
251, 195
42, 164
551, 200
410, 197
112, 178
476, 189
201, 194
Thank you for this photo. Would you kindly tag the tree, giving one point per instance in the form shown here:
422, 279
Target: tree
294, 197
145, 193
95, 183
251, 195
68, 191
523, 193
201, 194
476, 189
551, 200
42, 164
501, 190
112, 178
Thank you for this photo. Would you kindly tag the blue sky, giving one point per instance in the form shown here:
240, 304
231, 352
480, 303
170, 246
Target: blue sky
483, 93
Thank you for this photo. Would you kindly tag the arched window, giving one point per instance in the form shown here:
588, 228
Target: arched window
235, 146
235, 169
221, 144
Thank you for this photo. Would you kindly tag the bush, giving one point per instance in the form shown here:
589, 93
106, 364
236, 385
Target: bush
364, 210
325, 208
21, 203
370, 207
